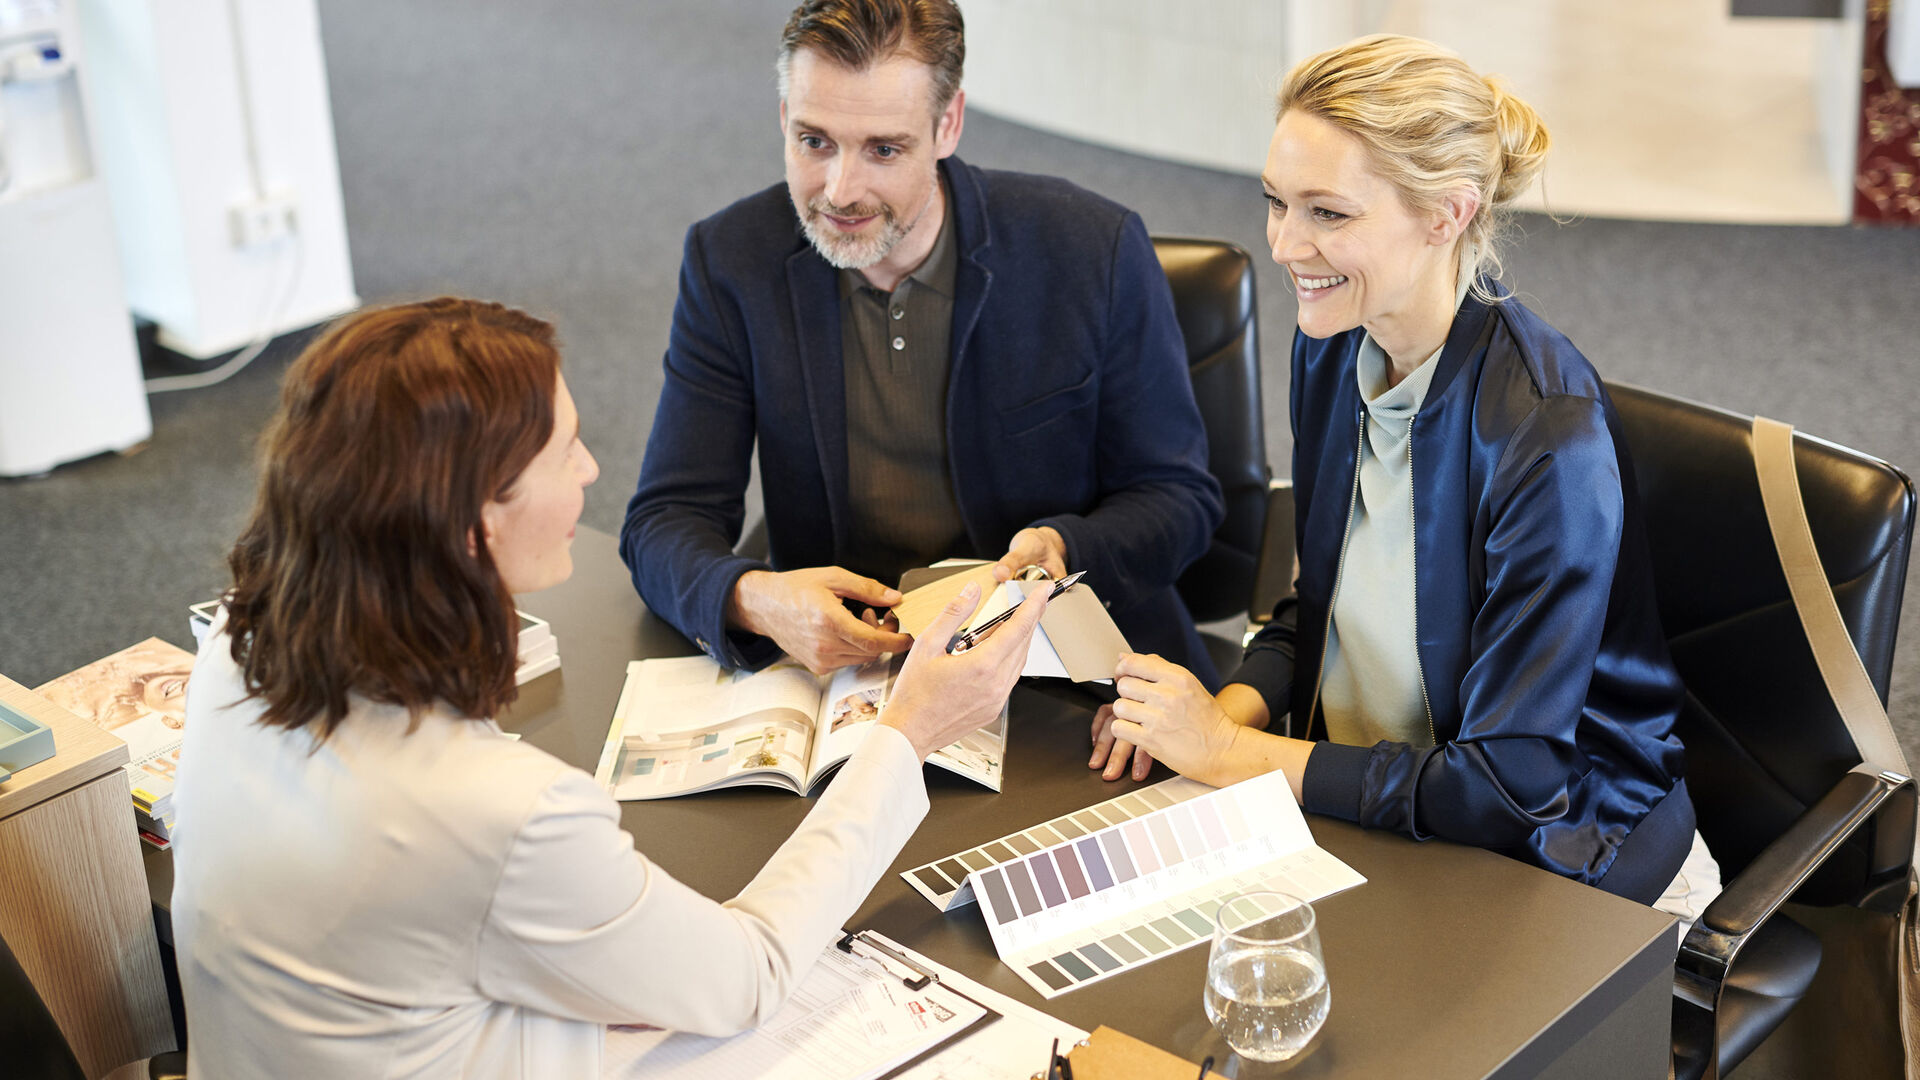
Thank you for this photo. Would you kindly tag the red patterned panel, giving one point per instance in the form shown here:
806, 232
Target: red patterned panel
1886, 184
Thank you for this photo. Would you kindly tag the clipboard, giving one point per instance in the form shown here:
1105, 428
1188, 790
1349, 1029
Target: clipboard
915, 977
1114, 1055
843, 1005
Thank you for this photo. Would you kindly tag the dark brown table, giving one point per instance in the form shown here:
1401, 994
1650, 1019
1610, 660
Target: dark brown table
1449, 962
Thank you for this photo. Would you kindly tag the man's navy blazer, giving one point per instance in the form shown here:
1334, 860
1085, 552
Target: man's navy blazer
1068, 404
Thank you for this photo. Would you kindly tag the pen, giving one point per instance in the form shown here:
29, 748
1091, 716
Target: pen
962, 642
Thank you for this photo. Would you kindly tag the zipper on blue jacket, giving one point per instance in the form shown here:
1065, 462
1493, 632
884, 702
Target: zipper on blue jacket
1413, 538
1340, 570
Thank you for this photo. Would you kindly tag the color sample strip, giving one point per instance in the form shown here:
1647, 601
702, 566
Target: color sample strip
1188, 832
1101, 958
1096, 863
996, 886
1170, 852
1211, 827
1171, 930
1051, 975
1148, 940
1049, 884
1023, 888
946, 888
1070, 875
1047, 912
1141, 847
1127, 951
1117, 857
1236, 823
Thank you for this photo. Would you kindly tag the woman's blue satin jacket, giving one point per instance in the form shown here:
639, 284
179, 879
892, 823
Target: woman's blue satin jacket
1544, 667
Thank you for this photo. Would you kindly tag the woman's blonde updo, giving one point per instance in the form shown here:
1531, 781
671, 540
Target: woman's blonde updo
1431, 125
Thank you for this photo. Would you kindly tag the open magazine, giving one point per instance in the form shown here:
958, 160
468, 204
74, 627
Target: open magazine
138, 694
686, 724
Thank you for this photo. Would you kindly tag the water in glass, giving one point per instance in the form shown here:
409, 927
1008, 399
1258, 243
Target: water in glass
1267, 1001
1267, 990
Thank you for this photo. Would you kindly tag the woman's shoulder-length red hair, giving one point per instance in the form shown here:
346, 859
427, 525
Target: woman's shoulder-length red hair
362, 569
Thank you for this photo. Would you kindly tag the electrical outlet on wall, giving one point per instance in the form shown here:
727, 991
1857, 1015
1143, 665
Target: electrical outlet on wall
260, 222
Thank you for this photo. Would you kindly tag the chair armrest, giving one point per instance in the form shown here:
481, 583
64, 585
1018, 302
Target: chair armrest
753, 542
1273, 571
1782, 867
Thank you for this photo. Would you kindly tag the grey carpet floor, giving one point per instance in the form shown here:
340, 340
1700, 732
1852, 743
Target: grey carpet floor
552, 155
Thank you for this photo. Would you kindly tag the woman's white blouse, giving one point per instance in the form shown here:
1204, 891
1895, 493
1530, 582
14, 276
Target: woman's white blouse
448, 902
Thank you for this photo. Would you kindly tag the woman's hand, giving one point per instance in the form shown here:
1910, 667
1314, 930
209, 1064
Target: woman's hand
1112, 752
1164, 711
1242, 704
940, 697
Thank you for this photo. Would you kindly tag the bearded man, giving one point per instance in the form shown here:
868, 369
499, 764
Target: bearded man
935, 360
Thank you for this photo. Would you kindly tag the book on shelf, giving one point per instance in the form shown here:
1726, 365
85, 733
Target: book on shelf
686, 724
140, 695
538, 650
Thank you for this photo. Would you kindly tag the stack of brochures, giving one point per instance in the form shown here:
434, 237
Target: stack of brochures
538, 652
140, 695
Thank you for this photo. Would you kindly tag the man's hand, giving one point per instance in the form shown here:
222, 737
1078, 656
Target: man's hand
1033, 547
940, 697
802, 611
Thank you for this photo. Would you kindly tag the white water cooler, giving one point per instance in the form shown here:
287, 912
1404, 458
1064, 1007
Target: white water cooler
70, 380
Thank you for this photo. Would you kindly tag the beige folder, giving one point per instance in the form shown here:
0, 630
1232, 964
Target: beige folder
1076, 623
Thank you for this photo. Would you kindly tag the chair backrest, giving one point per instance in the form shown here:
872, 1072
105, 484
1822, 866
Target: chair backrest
1763, 738
1213, 298
30, 1041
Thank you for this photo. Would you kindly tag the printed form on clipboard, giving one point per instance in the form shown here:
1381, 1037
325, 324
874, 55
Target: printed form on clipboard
868, 1009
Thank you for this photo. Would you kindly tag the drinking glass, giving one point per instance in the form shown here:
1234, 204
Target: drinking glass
1267, 987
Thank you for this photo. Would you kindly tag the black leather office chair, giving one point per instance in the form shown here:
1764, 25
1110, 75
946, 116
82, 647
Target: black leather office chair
1767, 754
30, 1041
1212, 283
1213, 299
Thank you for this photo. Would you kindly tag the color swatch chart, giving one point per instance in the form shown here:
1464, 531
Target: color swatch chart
1122, 896
944, 881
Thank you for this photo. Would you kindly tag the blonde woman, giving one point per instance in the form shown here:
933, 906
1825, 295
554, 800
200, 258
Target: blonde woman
1472, 649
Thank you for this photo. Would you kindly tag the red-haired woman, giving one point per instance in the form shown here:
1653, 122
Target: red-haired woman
370, 878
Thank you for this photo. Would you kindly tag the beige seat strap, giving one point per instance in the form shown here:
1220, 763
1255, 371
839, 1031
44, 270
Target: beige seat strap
1847, 682
1833, 650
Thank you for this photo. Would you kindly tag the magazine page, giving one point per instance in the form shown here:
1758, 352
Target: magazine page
687, 724
692, 693
767, 748
857, 696
850, 704
140, 695
980, 756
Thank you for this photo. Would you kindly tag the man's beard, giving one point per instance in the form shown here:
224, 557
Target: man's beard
857, 251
